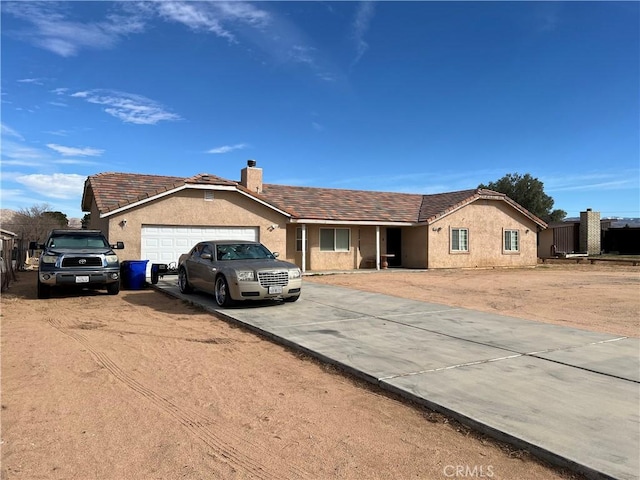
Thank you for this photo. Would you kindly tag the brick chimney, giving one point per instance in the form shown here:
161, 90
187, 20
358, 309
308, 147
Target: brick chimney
590, 232
251, 177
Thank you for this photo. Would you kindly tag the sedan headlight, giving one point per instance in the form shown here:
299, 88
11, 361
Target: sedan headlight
245, 275
48, 258
112, 258
295, 273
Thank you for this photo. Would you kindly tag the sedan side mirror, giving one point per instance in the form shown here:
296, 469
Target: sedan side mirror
206, 256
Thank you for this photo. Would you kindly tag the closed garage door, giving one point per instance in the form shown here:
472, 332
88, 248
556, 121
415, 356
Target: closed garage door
165, 244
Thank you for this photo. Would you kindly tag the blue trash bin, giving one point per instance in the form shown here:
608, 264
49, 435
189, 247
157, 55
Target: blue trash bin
134, 274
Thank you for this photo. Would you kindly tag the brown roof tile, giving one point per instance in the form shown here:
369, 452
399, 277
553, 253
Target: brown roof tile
344, 205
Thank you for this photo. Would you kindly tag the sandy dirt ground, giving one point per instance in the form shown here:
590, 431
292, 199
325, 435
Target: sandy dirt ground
144, 386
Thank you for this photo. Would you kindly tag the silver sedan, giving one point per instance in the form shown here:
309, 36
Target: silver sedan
238, 270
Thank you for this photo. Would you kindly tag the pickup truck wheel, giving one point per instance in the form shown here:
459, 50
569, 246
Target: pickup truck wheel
113, 288
221, 292
183, 281
44, 291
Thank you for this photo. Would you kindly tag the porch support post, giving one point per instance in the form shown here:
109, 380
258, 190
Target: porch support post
377, 247
304, 247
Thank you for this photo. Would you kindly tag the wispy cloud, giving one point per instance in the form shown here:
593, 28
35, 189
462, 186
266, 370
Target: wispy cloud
364, 15
51, 29
57, 27
6, 130
599, 181
57, 185
129, 108
18, 154
227, 148
35, 81
74, 151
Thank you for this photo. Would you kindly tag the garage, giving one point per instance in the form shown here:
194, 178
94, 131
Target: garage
165, 243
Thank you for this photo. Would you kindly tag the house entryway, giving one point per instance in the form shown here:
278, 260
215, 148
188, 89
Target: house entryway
394, 246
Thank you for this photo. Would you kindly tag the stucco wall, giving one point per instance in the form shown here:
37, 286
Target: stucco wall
188, 208
486, 220
545, 243
414, 247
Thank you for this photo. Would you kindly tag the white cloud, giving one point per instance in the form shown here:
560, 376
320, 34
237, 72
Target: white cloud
129, 108
73, 151
60, 91
57, 185
227, 148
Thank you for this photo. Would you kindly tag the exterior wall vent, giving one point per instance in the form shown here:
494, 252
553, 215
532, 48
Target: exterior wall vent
208, 196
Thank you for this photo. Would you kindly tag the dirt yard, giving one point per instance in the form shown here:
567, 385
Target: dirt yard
143, 386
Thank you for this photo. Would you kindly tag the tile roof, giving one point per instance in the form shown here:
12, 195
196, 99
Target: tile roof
344, 205
118, 190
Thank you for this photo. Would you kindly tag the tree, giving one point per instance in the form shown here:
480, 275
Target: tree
33, 224
528, 192
86, 221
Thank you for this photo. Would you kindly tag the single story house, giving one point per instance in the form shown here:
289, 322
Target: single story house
160, 217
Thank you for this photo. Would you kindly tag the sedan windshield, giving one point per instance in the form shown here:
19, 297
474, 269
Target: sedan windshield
242, 251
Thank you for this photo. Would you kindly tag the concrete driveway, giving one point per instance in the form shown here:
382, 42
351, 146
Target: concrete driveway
570, 396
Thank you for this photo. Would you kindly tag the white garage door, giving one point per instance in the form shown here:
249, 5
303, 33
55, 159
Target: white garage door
165, 244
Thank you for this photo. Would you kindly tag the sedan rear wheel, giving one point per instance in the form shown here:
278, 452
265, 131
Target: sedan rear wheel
183, 282
221, 292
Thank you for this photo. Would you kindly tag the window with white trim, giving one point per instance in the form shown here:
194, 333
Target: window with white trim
511, 241
459, 239
298, 239
335, 239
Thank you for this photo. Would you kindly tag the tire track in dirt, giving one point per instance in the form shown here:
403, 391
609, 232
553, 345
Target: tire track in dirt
199, 425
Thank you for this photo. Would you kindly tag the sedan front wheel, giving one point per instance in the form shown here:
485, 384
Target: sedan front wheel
183, 282
221, 292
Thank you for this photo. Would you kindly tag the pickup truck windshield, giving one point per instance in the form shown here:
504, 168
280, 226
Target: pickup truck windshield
77, 241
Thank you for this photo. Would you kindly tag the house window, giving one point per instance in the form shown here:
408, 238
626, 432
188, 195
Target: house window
335, 239
298, 239
511, 241
459, 240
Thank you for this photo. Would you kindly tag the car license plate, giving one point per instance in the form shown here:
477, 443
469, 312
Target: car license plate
275, 289
82, 279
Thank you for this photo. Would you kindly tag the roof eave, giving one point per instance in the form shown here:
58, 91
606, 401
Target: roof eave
191, 186
369, 223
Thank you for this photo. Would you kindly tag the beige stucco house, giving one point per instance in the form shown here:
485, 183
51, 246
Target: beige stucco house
319, 229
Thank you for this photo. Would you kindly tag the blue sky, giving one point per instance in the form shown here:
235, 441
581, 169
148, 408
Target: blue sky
419, 97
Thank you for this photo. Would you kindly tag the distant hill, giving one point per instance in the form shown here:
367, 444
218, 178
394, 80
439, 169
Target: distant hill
616, 222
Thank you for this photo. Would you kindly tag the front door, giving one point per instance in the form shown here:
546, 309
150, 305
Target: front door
394, 246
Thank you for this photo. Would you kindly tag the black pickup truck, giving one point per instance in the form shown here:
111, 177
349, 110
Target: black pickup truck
80, 259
